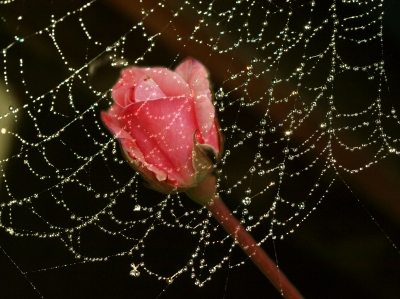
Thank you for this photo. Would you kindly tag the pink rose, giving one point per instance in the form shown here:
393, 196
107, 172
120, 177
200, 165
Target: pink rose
165, 122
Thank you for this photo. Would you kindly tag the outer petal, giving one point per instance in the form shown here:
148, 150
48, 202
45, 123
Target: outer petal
196, 75
148, 89
214, 138
123, 91
163, 130
171, 83
112, 120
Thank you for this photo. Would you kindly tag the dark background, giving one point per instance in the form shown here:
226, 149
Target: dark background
345, 249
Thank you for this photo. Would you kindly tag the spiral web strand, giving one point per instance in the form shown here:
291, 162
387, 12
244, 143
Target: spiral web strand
290, 70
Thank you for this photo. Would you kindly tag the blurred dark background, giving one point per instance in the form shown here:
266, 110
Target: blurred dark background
347, 248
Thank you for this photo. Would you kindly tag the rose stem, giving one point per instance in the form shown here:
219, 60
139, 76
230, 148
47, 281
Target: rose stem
250, 247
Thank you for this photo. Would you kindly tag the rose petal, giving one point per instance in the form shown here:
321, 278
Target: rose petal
123, 91
196, 75
168, 81
163, 129
148, 89
111, 120
213, 138
171, 83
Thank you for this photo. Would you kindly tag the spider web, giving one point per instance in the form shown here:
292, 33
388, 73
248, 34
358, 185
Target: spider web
307, 99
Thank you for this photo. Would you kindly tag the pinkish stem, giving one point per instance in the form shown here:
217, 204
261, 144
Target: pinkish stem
250, 247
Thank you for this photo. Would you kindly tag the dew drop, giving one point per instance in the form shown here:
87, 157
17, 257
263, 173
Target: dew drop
134, 273
246, 201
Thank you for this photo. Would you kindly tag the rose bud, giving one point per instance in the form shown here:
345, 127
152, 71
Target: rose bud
166, 124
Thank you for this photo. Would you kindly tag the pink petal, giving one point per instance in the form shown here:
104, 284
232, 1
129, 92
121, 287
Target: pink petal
111, 120
123, 91
213, 138
163, 130
196, 75
171, 83
148, 90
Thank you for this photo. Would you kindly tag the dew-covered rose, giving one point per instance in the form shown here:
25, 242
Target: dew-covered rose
165, 122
